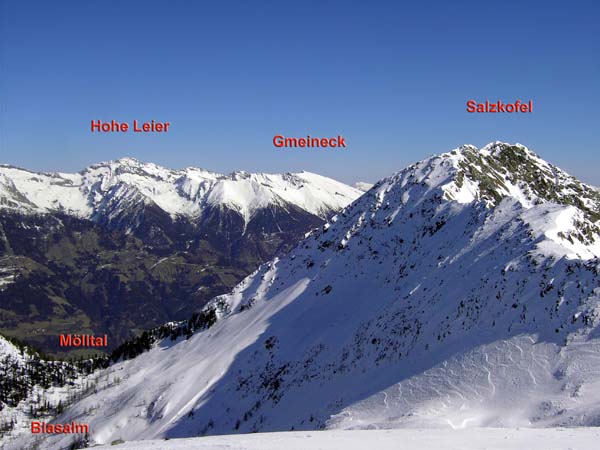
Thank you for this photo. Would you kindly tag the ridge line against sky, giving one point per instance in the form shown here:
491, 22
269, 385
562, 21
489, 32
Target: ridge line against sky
392, 78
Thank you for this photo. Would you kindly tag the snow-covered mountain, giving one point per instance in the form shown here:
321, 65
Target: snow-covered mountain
85, 252
462, 291
107, 190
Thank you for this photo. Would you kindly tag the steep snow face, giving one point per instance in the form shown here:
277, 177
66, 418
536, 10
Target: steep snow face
11, 198
423, 304
107, 189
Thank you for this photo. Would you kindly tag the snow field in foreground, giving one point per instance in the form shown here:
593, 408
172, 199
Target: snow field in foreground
406, 439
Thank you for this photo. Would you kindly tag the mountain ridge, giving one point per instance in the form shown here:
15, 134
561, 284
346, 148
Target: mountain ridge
124, 246
406, 309
185, 192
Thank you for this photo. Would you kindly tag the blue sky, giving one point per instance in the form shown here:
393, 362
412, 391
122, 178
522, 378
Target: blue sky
392, 77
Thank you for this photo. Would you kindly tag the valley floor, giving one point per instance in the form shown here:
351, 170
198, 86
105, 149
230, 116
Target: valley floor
405, 439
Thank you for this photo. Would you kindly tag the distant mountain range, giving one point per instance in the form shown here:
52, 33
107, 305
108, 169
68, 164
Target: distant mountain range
462, 291
123, 246
110, 192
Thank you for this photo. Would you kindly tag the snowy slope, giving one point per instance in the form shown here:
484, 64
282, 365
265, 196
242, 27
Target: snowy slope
417, 439
10, 351
461, 292
107, 189
29, 384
